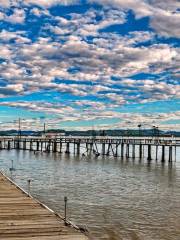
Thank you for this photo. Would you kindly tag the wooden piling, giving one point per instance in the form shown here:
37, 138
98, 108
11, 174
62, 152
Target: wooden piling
149, 158
127, 150
156, 152
67, 148
60, 147
122, 150
109, 146
133, 151
108, 150
103, 148
37, 146
163, 154
116, 152
78, 148
170, 153
140, 151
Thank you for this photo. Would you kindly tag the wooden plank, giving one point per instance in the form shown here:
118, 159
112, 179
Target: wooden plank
23, 218
62, 237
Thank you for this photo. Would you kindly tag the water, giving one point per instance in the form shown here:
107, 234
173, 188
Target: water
113, 198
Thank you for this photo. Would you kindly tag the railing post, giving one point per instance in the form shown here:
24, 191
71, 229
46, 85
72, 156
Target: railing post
29, 186
65, 210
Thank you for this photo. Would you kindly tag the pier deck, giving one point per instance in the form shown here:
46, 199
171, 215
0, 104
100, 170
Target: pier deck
23, 218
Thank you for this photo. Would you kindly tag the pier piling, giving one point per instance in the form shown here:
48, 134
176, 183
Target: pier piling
109, 146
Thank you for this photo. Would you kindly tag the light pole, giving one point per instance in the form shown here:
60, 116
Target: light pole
44, 129
155, 131
139, 126
19, 130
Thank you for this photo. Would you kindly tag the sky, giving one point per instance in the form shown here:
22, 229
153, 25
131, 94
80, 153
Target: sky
83, 64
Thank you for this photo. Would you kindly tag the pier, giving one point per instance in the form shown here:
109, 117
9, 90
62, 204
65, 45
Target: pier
22, 217
124, 147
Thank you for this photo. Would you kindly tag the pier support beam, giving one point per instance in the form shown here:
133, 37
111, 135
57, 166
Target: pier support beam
127, 150
163, 154
17, 144
133, 151
122, 150
156, 152
31, 146
103, 149
149, 158
9, 145
55, 146
91, 147
170, 153
60, 147
48, 146
67, 148
116, 152
78, 148
24, 145
37, 146
108, 150
140, 151
41, 146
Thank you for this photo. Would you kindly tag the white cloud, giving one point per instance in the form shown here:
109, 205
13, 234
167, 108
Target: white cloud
164, 15
50, 3
6, 36
139, 6
5, 52
92, 111
39, 106
11, 89
36, 64
18, 16
166, 23
5, 3
39, 12
46, 60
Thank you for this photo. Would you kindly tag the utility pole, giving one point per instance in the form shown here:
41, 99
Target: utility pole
19, 130
139, 126
44, 128
155, 131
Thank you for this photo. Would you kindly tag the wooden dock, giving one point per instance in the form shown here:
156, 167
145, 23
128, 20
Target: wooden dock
24, 218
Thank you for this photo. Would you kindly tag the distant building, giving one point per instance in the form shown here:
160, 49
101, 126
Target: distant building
53, 135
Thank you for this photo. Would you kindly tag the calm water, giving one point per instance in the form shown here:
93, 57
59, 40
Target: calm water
113, 198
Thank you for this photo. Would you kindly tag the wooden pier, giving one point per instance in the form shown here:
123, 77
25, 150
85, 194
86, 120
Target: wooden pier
23, 218
124, 147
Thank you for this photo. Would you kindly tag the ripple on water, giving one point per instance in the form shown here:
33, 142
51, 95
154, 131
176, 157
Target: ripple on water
114, 198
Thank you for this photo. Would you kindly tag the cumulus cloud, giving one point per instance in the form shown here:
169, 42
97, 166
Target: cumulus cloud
90, 113
50, 3
166, 23
5, 52
5, 3
39, 12
46, 60
18, 37
39, 106
164, 15
18, 16
140, 7
72, 54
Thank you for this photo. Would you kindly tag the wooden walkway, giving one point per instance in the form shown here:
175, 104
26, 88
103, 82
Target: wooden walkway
23, 218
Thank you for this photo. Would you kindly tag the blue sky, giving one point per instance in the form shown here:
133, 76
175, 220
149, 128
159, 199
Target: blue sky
78, 64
